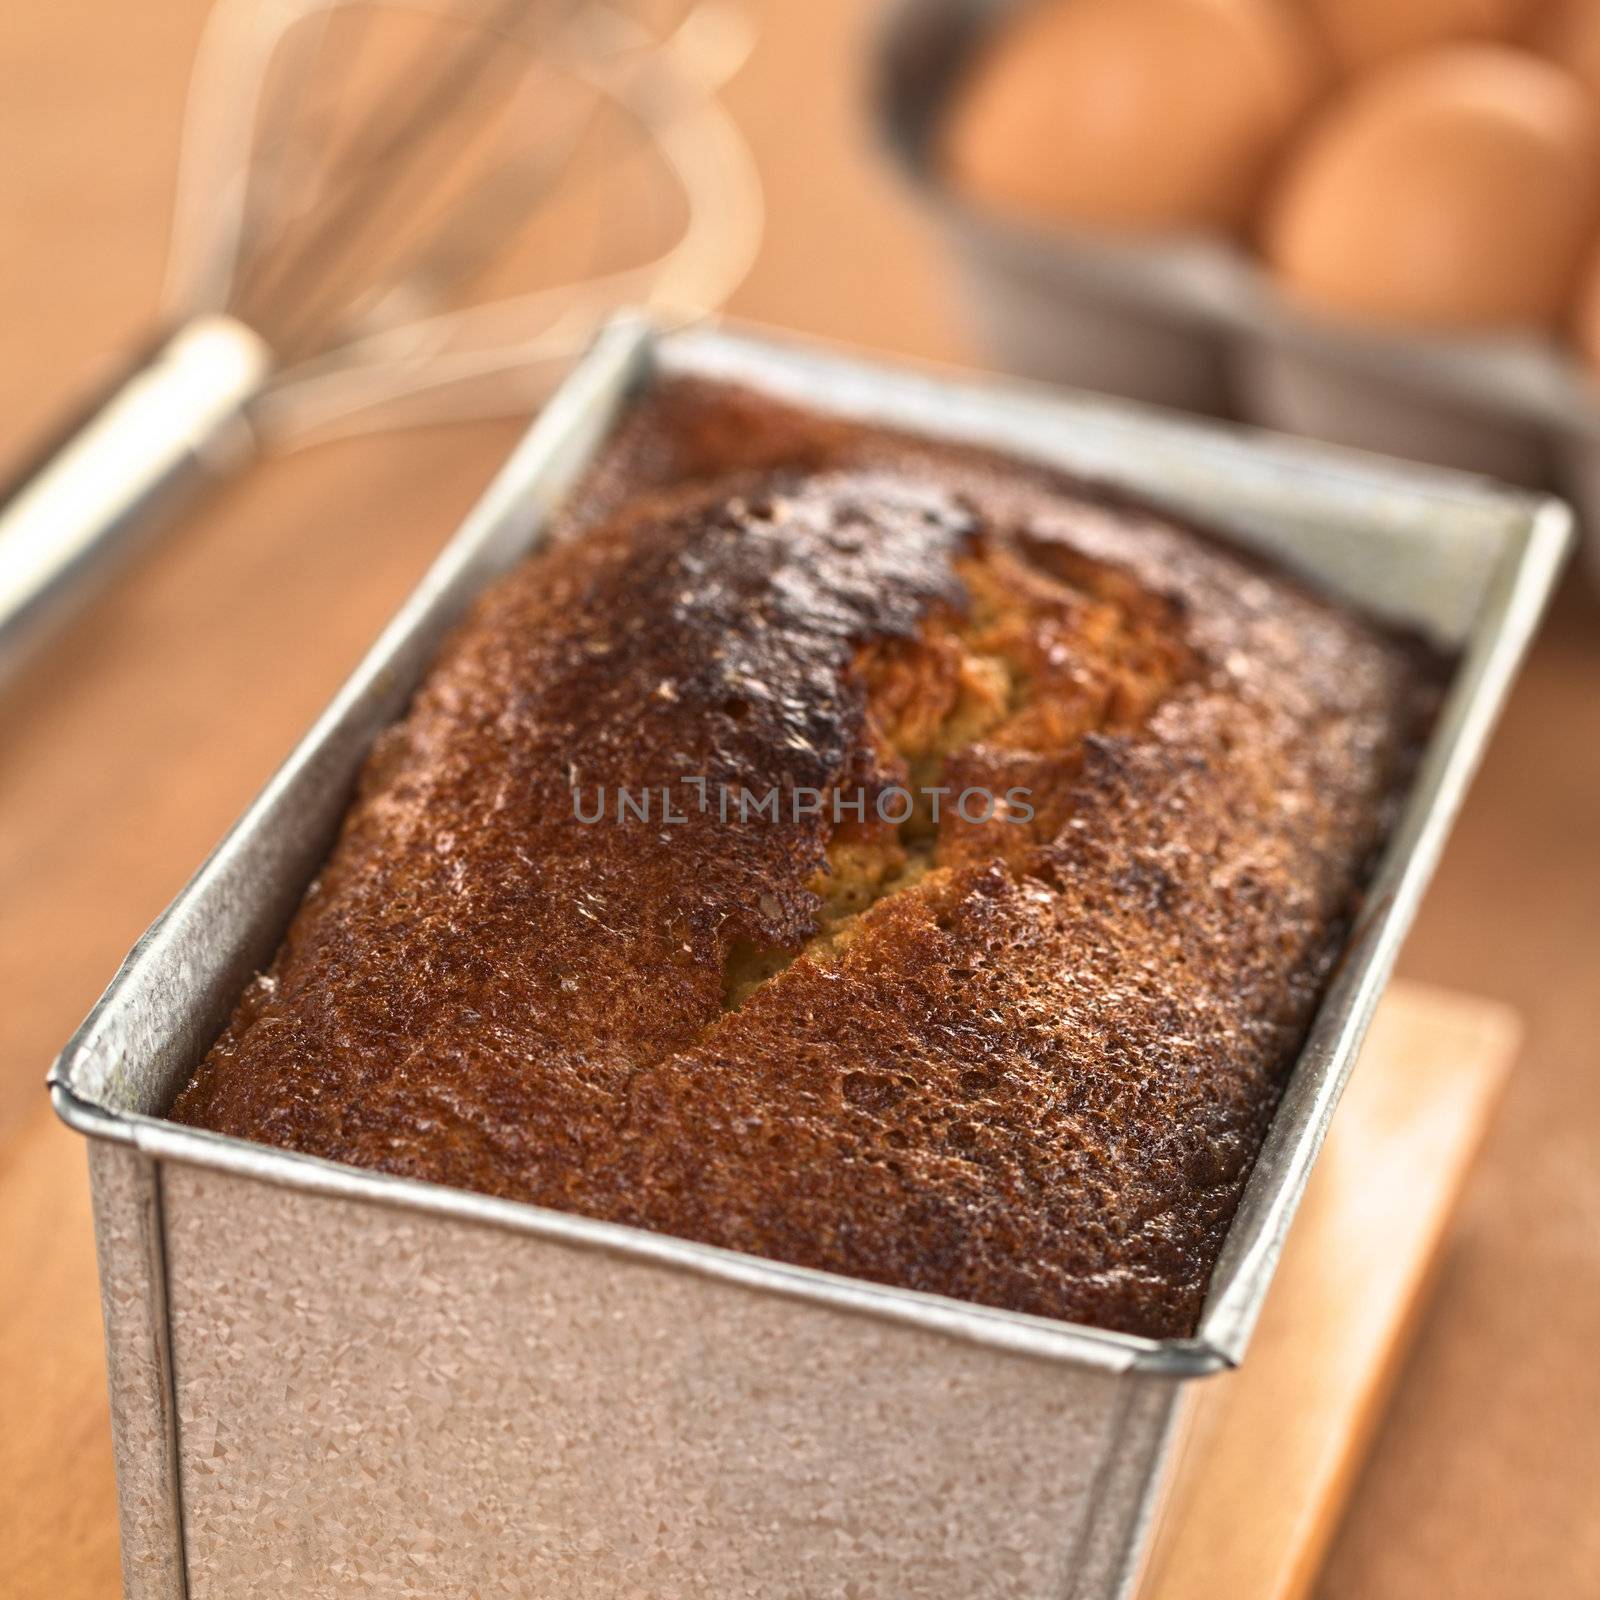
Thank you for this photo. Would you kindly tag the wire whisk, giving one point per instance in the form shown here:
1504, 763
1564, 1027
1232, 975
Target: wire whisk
394, 211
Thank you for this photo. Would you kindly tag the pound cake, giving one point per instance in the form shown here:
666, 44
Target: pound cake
860, 851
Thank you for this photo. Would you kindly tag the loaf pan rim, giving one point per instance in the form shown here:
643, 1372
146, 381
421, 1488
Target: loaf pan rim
631, 350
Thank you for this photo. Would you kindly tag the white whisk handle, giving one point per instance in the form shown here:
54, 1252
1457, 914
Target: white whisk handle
178, 418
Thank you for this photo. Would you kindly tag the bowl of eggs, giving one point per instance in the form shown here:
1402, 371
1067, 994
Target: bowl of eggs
1375, 222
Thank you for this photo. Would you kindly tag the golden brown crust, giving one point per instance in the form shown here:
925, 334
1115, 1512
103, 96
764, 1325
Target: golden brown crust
1027, 1062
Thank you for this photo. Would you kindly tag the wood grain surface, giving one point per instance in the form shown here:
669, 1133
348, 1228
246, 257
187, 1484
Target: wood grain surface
130, 744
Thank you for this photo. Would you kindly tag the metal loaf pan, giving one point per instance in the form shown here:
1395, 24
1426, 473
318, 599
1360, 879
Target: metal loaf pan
1193, 320
326, 1380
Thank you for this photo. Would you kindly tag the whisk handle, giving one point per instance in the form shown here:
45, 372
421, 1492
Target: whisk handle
176, 418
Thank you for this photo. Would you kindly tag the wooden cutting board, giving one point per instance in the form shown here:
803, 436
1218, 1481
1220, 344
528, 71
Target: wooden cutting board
1272, 1450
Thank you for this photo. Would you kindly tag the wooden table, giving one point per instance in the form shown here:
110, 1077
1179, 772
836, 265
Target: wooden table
129, 746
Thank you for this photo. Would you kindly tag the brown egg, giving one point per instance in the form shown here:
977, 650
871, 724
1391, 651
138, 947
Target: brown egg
1360, 32
1457, 188
1568, 31
1130, 114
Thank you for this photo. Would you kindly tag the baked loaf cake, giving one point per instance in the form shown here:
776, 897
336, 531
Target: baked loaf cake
1022, 1052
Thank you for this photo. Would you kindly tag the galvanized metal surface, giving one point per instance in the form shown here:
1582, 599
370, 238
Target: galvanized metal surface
328, 1378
